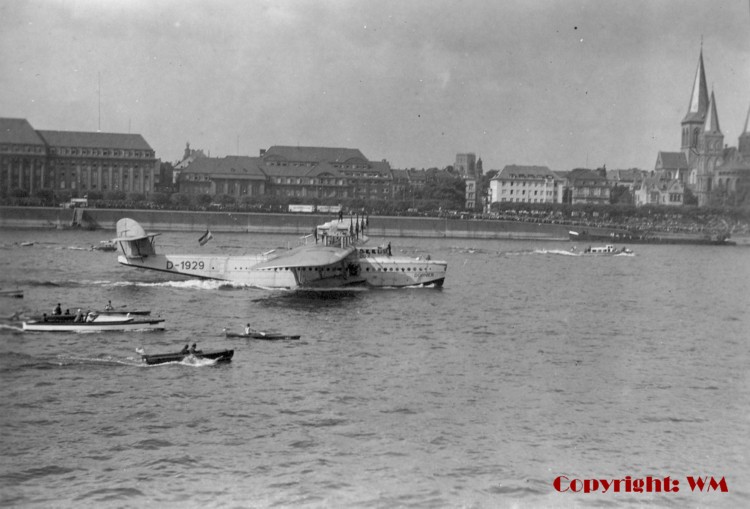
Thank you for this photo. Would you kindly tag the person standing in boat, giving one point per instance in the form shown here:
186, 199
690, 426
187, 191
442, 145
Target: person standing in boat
79, 316
57, 310
248, 330
185, 350
108, 307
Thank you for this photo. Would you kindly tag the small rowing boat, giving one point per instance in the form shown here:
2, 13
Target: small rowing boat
14, 294
268, 336
163, 358
101, 324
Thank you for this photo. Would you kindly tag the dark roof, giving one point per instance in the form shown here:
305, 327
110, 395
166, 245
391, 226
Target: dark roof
734, 165
518, 171
18, 130
324, 169
585, 173
240, 166
672, 160
314, 154
94, 140
630, 175
382, 167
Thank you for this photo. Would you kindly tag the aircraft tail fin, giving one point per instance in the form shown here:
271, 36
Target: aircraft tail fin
133, 240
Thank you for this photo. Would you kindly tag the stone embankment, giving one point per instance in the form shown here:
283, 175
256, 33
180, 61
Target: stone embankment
296, 224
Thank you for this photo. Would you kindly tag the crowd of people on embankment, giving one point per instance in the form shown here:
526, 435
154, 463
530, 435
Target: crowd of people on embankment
666, 223
685, 220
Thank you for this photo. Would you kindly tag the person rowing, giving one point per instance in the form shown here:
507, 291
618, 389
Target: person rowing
249, 331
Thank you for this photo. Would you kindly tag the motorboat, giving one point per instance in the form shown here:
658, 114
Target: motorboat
333, 256
268, 336
105, 245
163, 358
608, 250
101, 323
101, 316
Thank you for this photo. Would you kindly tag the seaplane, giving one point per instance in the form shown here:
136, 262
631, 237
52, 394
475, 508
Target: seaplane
332, 257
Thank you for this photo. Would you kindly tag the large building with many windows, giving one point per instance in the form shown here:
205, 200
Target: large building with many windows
304, 173
79, 162
526, 184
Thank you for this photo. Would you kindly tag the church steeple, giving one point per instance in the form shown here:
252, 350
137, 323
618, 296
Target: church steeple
697, 108
744, 143
711, 125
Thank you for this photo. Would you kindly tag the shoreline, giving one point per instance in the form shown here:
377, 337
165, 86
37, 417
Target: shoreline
156, 221
297, 224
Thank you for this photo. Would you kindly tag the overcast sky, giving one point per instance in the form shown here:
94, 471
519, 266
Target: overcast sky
574, 83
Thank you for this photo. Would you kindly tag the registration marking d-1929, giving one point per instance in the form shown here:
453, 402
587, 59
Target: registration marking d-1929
185, 265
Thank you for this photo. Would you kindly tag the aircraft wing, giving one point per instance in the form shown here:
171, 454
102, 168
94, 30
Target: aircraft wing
307, 256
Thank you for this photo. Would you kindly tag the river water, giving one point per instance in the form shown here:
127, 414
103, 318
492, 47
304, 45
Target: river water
528, 365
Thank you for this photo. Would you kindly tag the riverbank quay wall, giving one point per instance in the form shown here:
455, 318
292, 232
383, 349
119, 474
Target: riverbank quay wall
292, 224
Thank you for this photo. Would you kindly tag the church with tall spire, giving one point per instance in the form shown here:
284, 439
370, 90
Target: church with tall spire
705, 165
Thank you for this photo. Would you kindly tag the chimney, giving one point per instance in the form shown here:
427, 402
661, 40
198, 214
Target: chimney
262, 152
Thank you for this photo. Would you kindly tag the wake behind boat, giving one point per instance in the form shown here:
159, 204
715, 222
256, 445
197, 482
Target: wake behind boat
633, 237
336, 258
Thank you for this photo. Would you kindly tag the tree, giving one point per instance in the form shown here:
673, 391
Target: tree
688, 198
226, 199
620, 195
47, 196
181, 200
114, 195
204, 200
160, 199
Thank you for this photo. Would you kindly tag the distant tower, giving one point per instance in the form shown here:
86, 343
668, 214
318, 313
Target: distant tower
187, 151
710, 152
480, 170
693, 122
711, 141
744, 143
466, 165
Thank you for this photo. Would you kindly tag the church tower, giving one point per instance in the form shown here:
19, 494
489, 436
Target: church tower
692, 124
744, 143
710, 152
711, 140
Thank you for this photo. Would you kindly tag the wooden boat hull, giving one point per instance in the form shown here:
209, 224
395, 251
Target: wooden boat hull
217, 355
101, 316
139, 312
267, 336
14, 294
110, 325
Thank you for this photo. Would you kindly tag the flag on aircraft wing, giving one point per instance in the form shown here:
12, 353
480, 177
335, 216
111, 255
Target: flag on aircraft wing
205, 238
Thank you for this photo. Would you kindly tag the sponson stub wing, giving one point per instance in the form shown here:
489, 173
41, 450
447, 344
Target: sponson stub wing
307, 256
